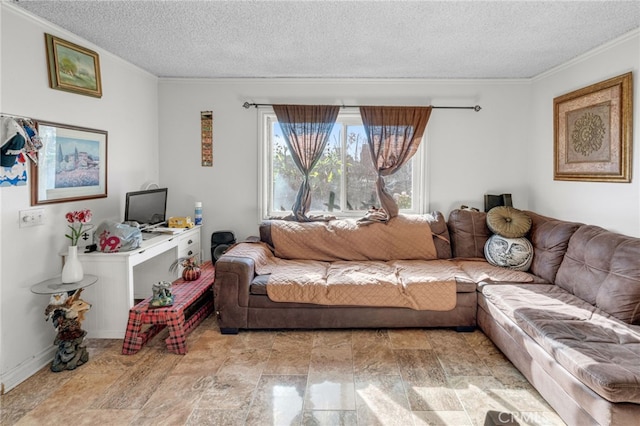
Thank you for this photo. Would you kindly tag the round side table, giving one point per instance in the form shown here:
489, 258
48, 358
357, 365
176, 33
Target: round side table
67, 310
55, 285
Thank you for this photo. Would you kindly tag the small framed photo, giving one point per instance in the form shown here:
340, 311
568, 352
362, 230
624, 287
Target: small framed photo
73, 68
593, 132
72, 164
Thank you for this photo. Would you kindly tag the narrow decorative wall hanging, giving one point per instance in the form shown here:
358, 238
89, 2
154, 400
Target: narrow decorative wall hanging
593, 132
206, 123
73, 68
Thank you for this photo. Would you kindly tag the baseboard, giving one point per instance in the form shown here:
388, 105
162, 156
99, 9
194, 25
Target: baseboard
23, 371
105, 334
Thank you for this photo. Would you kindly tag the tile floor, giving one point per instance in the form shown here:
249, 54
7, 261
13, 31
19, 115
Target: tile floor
333, 377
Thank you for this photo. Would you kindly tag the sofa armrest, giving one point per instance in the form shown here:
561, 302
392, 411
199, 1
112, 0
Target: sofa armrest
231, 291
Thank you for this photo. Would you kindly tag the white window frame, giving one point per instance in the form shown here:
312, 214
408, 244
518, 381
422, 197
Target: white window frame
266, 116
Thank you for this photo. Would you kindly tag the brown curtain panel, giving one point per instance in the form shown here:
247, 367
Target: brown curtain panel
394, 135
306, 130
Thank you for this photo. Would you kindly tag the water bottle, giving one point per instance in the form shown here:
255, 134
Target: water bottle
198, 215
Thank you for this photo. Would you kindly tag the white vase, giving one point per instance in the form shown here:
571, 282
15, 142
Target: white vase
72, 270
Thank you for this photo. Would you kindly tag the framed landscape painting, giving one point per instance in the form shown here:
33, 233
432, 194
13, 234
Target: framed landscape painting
593, 132
73, 68
72, 164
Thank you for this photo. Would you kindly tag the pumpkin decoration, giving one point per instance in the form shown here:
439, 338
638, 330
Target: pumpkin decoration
190, 267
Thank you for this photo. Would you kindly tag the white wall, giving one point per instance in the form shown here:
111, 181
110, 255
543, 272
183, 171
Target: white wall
614, 206
127, 110
507, 147
470, 153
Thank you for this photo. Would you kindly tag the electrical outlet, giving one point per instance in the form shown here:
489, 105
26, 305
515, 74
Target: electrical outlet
32, 217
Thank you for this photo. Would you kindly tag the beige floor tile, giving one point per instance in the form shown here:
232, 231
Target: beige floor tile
134, 387
209, 342
425, 382
294, 339
253, 340
374, 360
420, 366
91, 417
327, 391
79, 393
330, 418
370, 338
332, 339
288, 360
480, 343
441, 418
331, 361
481, 394
409, 338
36, 389
247, 362
456, 355
201, 416
381, 400
278, 400
199, 365
230, 393
432, 398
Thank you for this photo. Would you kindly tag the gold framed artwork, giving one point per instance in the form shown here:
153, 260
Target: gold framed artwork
72, 164
593, 132
73, 68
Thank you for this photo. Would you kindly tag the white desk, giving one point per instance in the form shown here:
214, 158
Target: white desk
124, 277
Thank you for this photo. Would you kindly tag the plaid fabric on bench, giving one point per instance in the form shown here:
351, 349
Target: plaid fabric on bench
192, 303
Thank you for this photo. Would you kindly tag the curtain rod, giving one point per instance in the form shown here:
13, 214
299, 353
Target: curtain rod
476, 108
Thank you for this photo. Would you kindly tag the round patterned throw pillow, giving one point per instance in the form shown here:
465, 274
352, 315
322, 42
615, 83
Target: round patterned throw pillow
512, 253
508, 222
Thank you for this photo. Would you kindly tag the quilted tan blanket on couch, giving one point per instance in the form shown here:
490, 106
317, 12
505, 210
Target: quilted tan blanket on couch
403, 237
398, 283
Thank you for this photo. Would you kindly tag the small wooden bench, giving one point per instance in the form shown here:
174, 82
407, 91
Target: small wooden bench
193, 302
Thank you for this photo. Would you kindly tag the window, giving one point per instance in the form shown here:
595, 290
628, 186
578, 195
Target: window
343, 181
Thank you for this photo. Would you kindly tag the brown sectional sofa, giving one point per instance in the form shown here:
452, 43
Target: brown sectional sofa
242, 302
573, 330
577, 338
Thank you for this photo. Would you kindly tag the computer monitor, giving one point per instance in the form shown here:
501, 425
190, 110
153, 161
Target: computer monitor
148, 207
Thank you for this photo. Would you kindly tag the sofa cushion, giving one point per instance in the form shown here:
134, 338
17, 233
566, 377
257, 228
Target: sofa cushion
599, 350
440, 231
508, 222
481, 271
550, 239
603, 269
469, 233
512, 253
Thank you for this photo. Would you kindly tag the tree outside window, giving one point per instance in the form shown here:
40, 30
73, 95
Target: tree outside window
343, 181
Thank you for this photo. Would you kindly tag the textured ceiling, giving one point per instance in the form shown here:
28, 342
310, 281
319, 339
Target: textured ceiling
343, 39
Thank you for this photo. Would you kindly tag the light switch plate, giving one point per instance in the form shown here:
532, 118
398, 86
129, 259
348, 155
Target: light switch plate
31, 217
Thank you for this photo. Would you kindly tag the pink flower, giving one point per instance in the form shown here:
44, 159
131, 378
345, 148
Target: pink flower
77, 219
